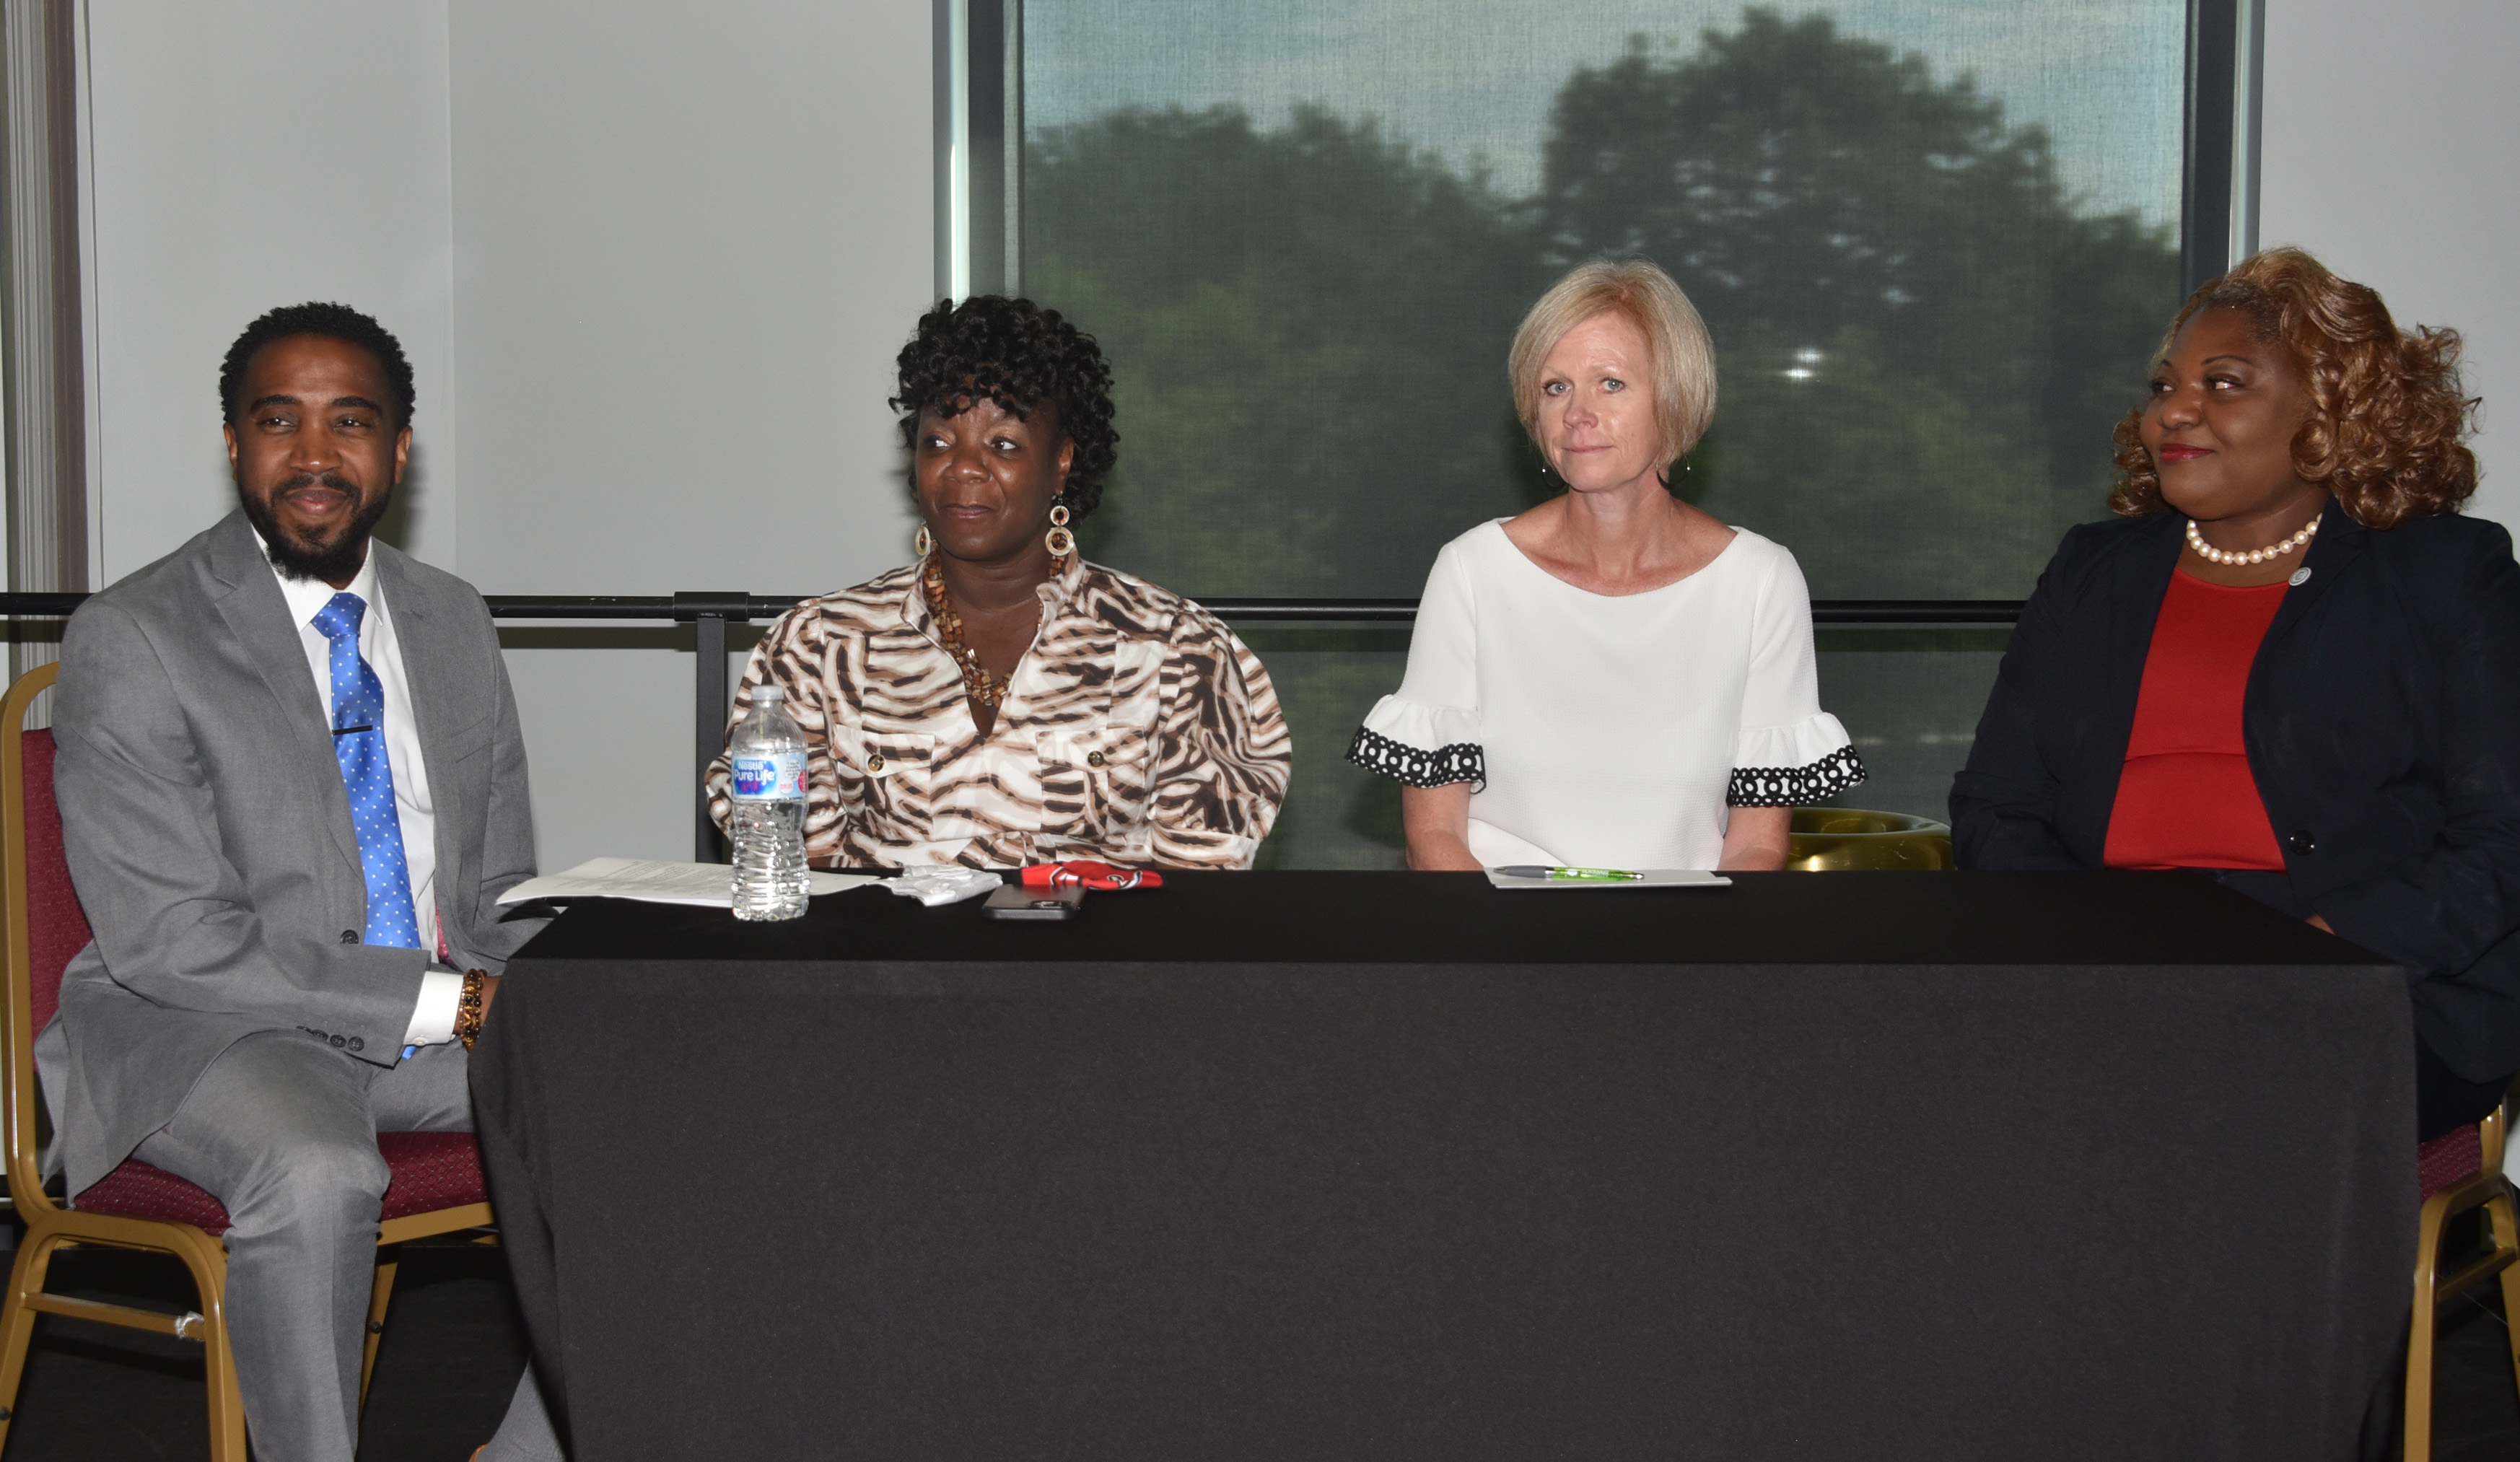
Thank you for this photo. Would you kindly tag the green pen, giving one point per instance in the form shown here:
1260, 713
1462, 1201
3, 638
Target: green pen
1585, 875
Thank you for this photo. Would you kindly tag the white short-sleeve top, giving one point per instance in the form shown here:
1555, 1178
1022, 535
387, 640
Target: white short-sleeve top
1610, 730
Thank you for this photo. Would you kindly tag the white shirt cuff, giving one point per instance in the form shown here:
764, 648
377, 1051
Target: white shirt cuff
433, 1020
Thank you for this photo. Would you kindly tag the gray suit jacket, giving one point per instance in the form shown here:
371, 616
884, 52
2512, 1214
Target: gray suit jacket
209, 836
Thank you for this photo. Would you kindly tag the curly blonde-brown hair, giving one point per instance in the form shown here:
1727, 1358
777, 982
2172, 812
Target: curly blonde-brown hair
2387, 415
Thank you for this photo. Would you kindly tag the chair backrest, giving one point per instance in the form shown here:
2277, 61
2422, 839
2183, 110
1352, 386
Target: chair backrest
56, 926
44, 925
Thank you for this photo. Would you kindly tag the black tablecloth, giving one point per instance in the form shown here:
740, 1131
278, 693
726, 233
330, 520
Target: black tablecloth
1348, 1165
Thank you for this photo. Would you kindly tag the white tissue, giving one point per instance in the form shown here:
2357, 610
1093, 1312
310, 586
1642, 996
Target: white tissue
935, 886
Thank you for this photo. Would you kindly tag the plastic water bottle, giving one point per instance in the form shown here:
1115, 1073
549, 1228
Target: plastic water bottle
768, 788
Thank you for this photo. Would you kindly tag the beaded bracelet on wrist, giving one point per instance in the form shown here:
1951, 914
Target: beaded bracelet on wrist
467, 1008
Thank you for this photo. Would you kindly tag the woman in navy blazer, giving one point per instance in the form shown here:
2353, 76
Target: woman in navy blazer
2305, 448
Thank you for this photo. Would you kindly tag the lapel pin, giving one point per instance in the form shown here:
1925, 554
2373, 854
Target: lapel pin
2300, 576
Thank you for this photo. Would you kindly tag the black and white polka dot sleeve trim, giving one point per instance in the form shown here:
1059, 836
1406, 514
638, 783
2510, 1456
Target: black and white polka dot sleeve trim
1462, 761
1794, 787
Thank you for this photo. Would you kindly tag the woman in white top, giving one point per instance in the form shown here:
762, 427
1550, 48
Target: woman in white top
1615, 678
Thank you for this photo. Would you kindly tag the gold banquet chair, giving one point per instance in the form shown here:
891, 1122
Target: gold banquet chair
1845, 839
437, 1185
2458, 1172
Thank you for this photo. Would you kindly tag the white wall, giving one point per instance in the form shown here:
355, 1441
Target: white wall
689, 242
243, 157
688, 248
2392, 151
652, 261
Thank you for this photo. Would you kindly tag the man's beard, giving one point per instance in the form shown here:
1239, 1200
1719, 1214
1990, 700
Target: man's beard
333, 563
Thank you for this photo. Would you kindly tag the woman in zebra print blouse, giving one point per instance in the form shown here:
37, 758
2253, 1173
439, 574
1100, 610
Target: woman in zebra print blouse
1002, 702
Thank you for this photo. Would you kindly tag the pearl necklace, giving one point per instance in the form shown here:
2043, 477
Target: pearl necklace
2213, 555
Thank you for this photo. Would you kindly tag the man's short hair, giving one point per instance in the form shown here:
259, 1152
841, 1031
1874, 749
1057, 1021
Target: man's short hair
336, 322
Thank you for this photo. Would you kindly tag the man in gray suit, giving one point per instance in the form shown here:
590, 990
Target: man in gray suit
293, 788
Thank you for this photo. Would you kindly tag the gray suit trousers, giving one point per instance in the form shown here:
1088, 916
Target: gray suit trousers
283, 1130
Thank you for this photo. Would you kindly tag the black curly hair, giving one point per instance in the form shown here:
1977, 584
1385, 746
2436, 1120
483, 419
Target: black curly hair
336, 322
1019, 355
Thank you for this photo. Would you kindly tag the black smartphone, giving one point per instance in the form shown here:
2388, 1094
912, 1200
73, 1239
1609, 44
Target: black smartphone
1015, 902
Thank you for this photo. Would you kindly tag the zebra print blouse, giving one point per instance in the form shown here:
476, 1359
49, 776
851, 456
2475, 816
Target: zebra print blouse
1136, 729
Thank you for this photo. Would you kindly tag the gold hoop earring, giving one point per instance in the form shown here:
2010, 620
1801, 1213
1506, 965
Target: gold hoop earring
1061, 542
921, 544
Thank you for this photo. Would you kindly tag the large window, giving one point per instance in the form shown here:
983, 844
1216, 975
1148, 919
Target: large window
1934, 239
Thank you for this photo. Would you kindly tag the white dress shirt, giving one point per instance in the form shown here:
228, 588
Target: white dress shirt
433, 1020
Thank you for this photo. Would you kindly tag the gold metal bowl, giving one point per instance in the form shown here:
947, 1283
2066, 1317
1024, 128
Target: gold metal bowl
1845, 839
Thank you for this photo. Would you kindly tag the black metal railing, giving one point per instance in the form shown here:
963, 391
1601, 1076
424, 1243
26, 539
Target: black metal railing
710, 613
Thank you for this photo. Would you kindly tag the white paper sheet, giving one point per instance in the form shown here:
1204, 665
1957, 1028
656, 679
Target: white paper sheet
1655, 878
703, 885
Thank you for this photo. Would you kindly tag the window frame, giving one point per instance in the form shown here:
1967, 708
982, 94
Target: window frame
980, 217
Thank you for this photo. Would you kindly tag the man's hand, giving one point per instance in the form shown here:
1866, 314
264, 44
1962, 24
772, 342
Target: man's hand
490, 991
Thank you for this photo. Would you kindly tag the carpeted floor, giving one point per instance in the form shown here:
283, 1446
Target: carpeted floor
453, 1348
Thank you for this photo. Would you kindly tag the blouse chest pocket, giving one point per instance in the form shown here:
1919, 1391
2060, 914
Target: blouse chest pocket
1095, 780
884, 777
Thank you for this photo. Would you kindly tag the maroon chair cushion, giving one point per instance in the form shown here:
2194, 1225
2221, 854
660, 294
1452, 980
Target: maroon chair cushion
56, 926
432, 1170
136, 1190
2449, 1160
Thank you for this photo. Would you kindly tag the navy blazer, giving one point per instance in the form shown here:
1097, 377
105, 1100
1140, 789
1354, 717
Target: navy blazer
2382, 720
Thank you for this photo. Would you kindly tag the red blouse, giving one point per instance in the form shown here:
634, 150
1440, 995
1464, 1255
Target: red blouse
2186, 798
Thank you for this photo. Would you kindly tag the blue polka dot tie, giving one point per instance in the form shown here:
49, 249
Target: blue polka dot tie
367, 775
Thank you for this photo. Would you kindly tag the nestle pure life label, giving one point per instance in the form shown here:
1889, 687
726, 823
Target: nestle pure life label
770, 778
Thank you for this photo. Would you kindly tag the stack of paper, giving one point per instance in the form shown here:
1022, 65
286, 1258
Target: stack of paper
705, 885
1653, 879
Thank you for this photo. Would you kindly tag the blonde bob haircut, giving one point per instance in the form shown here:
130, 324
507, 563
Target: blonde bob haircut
1678, 351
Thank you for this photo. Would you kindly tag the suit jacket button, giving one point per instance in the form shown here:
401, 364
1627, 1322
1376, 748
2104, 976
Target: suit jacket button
357, 1045
338, 1042
2304, 841
350, 936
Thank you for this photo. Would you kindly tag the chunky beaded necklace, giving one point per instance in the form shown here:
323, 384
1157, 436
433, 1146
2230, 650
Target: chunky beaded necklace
985, 690
2213, 555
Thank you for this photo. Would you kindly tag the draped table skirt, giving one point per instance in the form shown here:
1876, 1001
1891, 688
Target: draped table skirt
1302, 1165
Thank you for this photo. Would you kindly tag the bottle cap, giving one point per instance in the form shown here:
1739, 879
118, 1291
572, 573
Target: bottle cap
761, 693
